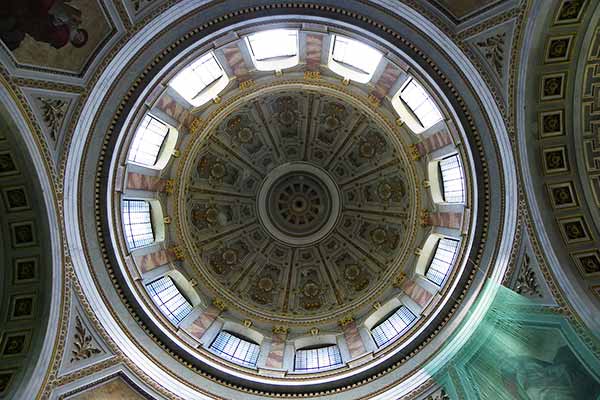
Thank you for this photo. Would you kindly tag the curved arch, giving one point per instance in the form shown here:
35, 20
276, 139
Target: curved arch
75, 162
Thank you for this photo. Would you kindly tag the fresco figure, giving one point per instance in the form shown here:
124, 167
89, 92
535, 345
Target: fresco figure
50, 21
564, 378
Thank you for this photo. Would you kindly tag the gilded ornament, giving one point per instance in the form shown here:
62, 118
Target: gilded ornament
177, 252
314, 331
312, 75
170, 186
247, 84
176, 153
374, 100
414, 152
279, 330
425, 219
399, 280
220, 304
346, 320
167, 220
247, 323
196, 125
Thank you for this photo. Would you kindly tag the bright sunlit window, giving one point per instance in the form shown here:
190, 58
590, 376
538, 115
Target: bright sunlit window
445, 254
393, 326
414, 96
236, 349
352, 59
137, 223
312, 360
201, 81
274, 49
453, 186
169, 299
148, 141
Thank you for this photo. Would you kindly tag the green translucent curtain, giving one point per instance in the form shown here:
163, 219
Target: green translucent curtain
520, 351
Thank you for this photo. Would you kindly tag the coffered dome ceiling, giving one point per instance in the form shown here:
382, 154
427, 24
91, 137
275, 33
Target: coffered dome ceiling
298, 204
328, 212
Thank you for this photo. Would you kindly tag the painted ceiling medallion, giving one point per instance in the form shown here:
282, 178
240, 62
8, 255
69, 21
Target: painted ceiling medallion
299, 204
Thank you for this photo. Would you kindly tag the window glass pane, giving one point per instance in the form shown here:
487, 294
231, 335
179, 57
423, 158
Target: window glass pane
148, 140
442, 261
274, 43
452, 180
356, 54
392, 327
421, 104
235, 349
169, 299
311, 360
192, 80
137, 223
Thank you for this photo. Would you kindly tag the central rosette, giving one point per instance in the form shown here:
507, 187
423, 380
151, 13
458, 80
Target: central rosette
298, 204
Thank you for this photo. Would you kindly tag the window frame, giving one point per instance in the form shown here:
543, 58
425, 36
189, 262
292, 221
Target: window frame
253, 349
443, 181
130, 236
207, 92
348, 70
274, 63
173, 314
305, 352
138, 139
409, 114
387, 320
438, 277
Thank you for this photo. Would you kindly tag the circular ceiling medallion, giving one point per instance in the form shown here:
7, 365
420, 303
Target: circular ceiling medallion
298, 204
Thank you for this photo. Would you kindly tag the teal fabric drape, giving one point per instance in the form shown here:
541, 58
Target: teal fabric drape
520, 351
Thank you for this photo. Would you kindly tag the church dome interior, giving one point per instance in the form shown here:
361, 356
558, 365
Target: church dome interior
314, 199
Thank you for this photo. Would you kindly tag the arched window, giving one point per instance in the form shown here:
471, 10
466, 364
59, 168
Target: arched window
416, 107
318, 359
237, 349
200, 81
452, 179
274, 49
169, 299
393, 326
148, 141
137, 223
352, 59
443, 259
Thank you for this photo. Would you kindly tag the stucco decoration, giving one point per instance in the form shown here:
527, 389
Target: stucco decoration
297, 204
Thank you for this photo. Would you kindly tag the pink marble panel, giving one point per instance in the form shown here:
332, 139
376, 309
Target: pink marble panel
314, 46
386, 81
148, 262
203, 322
175, 110
236, 62
416, 292
145, 182
275, 357
434, 142
447, 219
353, 340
